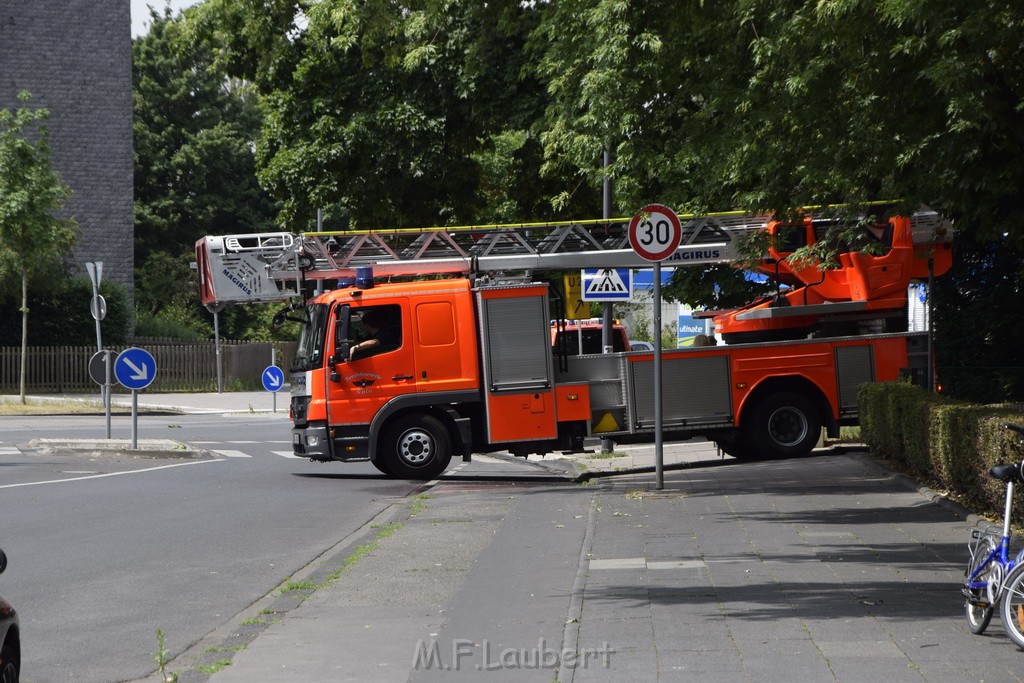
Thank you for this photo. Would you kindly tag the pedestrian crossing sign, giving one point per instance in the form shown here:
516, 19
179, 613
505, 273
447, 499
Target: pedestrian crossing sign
607, 284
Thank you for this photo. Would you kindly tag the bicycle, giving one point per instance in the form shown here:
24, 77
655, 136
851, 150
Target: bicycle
990, 565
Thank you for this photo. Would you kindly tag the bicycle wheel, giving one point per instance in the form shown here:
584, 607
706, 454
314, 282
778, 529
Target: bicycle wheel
978, 606
1012, 606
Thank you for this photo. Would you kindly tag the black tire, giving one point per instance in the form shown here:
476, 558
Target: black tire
736, 445
416, 447
977, 606
784, 425
9, 666
381, 466
1011, 606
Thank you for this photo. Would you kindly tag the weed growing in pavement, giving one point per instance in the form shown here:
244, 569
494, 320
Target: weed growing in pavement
635, 494
161, 660
213, 667
606, 456
386, 530
298, 586
233, 648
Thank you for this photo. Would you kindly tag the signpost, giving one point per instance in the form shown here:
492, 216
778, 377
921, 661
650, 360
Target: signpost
100, 371
273, 380
98, 309
135, 369
654, 234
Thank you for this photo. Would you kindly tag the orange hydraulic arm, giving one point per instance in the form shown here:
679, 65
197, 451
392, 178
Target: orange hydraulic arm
862, 286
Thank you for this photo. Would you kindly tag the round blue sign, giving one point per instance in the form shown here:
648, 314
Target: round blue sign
273, 378
135, 368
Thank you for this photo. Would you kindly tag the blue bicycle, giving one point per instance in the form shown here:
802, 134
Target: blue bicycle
990, 553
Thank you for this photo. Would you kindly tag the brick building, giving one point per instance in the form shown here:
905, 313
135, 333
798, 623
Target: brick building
75, 58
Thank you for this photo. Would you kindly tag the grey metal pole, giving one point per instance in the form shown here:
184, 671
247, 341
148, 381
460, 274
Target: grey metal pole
107, 363
216, 345
659, 459
273, 361
319, 228
931, 361
135, 419
607, 445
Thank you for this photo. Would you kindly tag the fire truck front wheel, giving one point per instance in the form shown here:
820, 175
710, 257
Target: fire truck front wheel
785, 424
416, 447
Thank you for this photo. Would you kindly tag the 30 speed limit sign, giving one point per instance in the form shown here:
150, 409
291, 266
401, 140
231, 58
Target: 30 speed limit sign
655, 232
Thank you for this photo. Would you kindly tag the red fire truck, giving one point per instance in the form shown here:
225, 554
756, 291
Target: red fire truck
408, 372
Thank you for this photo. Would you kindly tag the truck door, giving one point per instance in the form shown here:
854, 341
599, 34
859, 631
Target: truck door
380, 364
519, 396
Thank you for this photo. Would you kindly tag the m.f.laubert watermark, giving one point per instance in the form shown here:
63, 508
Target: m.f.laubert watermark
483, 656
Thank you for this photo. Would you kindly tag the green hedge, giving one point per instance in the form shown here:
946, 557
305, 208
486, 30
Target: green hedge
949, 444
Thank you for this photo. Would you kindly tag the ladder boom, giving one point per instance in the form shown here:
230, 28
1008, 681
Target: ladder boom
271, 266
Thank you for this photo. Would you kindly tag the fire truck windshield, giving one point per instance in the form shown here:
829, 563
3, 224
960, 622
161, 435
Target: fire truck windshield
310, 352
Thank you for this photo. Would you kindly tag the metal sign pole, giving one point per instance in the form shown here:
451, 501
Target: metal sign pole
135, 419
108, 362
216, 344
273, 361
659, 454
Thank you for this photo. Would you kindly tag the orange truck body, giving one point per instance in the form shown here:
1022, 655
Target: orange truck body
475, 372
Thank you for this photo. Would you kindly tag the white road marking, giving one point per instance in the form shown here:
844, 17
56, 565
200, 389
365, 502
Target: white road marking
107, 474
232, 454
288, 454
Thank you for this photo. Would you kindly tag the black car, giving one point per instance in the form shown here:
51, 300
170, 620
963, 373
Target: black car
10, 637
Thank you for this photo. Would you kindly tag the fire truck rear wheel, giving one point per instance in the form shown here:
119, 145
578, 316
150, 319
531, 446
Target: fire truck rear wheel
417, 447
785, 425
735, 445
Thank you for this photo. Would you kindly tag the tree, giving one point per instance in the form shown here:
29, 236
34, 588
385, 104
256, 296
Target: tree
195, 173
31, 237
393, 115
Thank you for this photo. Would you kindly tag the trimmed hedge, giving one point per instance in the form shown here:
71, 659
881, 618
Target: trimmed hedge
949, 444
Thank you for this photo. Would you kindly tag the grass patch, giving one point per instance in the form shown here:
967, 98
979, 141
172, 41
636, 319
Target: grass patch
385, 530
33, 406
232, 648
298, 586
359, 553
846, 435
213, 667
418, 503
606, 456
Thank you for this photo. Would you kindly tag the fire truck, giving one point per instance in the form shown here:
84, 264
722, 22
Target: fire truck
417, 346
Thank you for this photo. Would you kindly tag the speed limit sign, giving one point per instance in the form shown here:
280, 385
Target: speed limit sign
655, 232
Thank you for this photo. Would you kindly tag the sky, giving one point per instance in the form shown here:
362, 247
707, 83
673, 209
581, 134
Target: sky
140, 12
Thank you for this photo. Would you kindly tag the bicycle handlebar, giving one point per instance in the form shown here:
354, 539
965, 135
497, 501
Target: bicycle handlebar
1013, 427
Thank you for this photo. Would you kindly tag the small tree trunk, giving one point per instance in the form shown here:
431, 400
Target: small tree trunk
24, 330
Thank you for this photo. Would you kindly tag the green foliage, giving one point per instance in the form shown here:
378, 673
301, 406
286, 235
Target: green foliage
390, 115
194, 129
173, 322
31, 237
195, 171
61, 316
948, 443
978, 326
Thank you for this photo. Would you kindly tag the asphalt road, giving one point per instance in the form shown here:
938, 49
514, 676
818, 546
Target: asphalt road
106, 550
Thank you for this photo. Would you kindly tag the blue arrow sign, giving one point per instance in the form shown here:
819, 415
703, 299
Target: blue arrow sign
135, 368
273, 378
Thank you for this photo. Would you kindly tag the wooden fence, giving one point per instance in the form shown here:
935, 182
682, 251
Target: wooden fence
181, 366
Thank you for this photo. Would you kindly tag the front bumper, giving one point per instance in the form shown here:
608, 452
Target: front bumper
312, 442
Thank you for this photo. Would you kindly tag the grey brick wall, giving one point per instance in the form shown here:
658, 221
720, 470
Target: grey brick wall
74, 56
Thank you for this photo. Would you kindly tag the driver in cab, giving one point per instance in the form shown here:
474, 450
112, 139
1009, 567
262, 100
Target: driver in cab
381, 336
